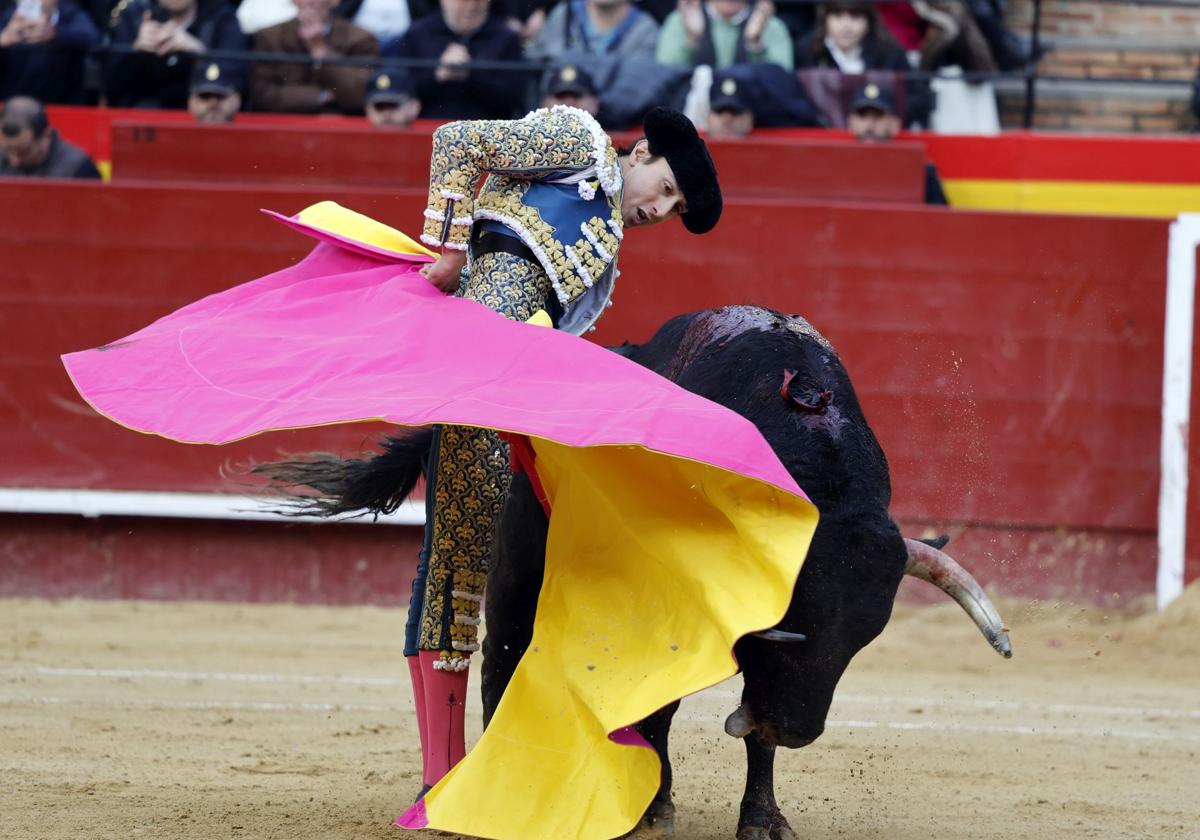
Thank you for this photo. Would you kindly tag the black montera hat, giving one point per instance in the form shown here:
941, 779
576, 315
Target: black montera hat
672, 135
872, 96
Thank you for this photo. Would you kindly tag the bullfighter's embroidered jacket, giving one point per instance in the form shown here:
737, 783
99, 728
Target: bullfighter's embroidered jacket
553, 180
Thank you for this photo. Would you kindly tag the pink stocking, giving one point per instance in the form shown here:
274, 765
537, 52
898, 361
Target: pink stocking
445, 717
418, 685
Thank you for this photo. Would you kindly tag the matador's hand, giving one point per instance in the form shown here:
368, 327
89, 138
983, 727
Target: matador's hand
445, 273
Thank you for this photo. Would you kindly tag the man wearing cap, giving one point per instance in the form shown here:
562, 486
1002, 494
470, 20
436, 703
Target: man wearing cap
729, 112
391, 102
873, 119
214, 98
573, 86
543, 233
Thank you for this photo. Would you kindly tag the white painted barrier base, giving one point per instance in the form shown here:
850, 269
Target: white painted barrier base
95, 503
1176, 405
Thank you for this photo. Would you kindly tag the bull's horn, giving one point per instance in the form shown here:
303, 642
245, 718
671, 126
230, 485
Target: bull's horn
739, 724
940, 569
781, 636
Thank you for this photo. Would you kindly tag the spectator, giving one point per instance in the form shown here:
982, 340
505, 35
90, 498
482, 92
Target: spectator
33, 148
571, 85
215, 97
460, 33
722, 33
43, 44
873, 119
729, 113
938, 33
851, 39
385, 19
312, 87
390, 99
596, 27
165, 36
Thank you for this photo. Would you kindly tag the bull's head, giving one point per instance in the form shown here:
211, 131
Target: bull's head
842, 601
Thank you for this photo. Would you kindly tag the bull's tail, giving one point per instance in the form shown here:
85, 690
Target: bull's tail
355, 486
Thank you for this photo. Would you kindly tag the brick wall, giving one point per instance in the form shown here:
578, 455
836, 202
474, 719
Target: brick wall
1143, 55
1086, 19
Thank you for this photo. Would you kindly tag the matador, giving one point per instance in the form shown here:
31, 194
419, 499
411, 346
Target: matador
541, 234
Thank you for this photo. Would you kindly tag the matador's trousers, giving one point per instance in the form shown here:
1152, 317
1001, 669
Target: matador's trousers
467, 481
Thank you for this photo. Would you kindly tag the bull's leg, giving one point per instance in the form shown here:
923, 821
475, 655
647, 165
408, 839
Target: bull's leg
659, 819
514, 582
760, 817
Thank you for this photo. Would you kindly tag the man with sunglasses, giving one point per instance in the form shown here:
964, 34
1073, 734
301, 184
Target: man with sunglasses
33, 148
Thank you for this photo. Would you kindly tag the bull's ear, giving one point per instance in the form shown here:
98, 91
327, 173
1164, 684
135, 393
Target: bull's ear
811, 403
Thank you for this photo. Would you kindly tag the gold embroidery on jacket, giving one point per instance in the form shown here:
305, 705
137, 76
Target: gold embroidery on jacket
471, 481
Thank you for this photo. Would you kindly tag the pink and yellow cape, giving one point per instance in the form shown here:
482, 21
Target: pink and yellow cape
675, 529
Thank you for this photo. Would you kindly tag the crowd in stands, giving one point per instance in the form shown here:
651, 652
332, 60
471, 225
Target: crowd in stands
395, 60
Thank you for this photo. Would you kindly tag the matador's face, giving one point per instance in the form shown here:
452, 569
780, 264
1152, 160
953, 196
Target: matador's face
651, 194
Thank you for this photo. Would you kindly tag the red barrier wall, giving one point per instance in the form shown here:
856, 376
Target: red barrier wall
176, 559
345, 157
1011, 365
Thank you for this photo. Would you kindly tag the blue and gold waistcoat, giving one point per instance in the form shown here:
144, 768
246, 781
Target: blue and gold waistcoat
553, 180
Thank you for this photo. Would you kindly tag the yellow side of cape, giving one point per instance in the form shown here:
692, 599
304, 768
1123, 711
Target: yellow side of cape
655, 566
331, 216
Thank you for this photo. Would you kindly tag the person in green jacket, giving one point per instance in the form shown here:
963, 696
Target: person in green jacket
722, 33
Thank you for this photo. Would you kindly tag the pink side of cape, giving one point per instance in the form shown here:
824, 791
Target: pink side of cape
347, 335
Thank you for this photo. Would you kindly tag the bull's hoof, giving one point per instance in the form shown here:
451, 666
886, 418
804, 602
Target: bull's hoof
658, 823
763, 823
775, 832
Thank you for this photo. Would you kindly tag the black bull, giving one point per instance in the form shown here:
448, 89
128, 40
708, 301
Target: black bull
782, 375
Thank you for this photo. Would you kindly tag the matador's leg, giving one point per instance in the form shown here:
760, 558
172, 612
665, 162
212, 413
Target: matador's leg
470, 482
412, 627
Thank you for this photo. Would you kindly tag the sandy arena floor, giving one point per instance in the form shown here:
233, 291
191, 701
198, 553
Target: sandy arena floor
122, 720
